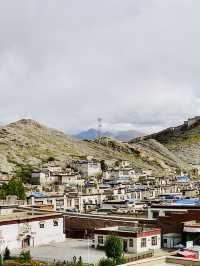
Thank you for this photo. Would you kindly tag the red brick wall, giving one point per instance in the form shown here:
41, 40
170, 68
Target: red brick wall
81, 226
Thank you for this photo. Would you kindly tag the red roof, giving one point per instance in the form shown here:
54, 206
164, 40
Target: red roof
188, 254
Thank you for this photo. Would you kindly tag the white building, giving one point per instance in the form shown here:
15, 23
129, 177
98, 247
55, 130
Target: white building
59, 202
116, 204
42, 178
163, 210
82, 202
70, 179
121, 172
27, 229
88, 168
65, 202
135, 239
125, 164
171, 240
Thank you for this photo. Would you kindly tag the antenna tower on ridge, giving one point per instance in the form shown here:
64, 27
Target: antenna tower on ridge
99, 120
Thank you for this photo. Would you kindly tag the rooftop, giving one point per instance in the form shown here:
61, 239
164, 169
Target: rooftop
127, 229
179, 203
21, 215
192, 223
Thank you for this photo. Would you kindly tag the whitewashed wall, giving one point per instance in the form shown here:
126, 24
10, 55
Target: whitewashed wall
10, 234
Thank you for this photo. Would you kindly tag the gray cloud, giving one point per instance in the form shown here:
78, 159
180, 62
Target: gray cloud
134, 63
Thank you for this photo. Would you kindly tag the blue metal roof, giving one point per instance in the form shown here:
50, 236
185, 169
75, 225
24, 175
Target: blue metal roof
183, 178
187, 202
37, 194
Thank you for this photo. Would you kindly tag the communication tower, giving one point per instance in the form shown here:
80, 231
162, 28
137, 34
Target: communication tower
99, 120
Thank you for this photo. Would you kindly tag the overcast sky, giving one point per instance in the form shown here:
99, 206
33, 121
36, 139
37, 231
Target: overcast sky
64, 63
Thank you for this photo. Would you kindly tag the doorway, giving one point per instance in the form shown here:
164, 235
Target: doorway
26, 242
125, 245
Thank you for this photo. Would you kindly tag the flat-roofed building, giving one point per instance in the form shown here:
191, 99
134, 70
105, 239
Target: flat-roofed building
28, 228
43, 178
58, 201
191, 232
135, 239
179, 206
88, 168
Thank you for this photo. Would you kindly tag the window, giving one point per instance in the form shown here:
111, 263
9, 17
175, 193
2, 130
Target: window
154, 241
41, 225
100, 240
143, 243
131, 243
155, 214
55, 222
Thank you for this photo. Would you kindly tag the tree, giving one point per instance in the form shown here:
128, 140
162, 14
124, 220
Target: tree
14, 187
194, 172
117, 163
24, 172
122, 260
113, 247
6, 255
106, 262
25, 256
178, 171
104, 166
1, 260
80, 262
51, 159
3, 192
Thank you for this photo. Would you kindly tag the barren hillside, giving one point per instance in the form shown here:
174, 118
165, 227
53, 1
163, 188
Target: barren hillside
29, 142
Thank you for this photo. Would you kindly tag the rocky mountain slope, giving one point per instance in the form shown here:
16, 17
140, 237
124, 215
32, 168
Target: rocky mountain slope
183, 141
28, 142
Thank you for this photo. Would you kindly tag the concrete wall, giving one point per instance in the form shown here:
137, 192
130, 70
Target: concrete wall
161, 212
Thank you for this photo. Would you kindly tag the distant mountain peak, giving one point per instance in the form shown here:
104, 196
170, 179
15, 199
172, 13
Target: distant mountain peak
123, 135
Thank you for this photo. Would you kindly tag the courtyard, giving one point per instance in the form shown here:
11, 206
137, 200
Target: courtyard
66, 251
74, 248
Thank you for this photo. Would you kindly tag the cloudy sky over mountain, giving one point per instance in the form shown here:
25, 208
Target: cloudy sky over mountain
135, 63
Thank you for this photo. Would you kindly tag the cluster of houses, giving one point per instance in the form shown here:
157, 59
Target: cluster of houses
83, 200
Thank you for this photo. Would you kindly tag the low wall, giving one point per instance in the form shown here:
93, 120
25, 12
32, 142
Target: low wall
147, 262
164, 259
183, 261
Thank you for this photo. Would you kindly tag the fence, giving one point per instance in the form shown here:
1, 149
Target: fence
141, 256
42, 263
